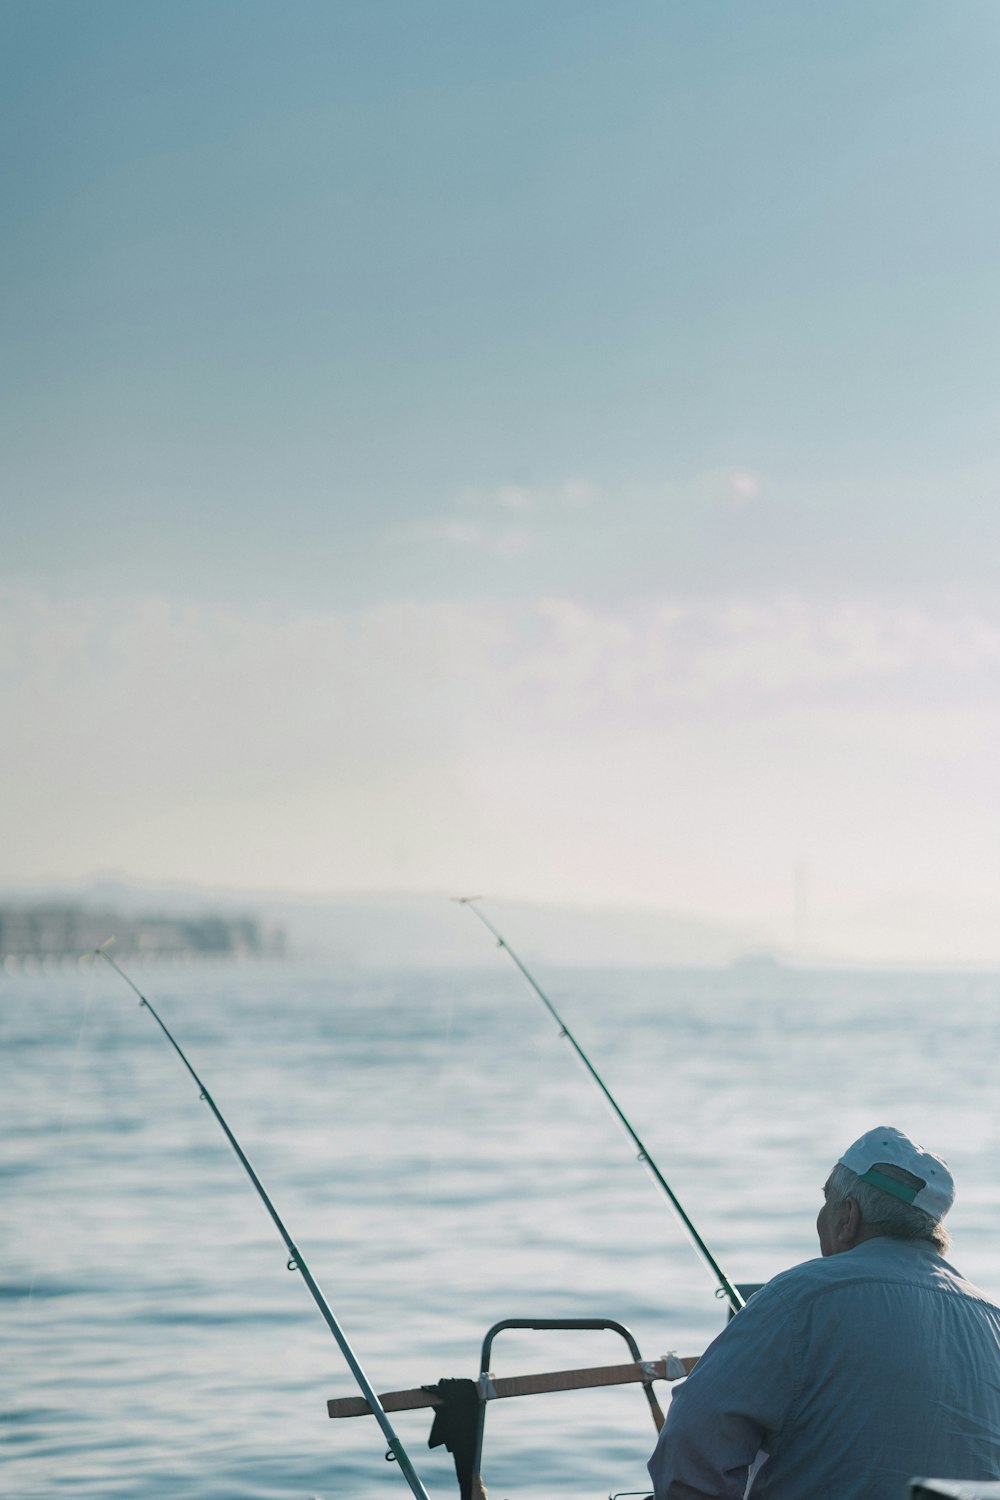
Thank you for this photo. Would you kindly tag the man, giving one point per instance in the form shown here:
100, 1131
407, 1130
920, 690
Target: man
848, 1375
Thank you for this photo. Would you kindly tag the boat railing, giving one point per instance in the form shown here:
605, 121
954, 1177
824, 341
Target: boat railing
460, 1405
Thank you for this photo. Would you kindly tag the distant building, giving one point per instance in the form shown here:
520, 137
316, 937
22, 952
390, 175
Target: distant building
67, 931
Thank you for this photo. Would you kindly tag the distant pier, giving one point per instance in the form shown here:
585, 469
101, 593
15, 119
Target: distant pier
58, 931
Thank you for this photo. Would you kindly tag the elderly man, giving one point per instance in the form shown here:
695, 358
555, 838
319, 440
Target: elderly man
849, 1374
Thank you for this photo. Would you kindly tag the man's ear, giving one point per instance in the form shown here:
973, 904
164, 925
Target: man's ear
851, 1225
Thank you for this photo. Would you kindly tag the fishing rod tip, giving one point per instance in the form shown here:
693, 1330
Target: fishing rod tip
102, 948
464, 900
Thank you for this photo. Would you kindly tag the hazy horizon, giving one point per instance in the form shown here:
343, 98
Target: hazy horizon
402, 926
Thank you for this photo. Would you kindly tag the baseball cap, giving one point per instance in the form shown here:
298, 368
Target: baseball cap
887, 1144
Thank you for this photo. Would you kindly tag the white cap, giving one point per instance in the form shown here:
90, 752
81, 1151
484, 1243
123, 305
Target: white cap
890, 1146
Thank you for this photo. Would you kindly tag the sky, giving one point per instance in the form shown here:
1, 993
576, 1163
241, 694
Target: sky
547, 449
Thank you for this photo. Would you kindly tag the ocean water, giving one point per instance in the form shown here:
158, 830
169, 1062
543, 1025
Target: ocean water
443, 1162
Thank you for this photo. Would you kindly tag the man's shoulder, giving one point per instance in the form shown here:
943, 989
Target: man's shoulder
801, 1280
878, 1261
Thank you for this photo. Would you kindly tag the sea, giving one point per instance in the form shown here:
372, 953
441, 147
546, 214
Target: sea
443, 1162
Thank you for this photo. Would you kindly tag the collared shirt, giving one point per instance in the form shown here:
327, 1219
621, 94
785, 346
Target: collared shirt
854, 1373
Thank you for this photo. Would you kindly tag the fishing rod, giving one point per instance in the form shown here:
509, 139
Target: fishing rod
726, 1287
296, 1262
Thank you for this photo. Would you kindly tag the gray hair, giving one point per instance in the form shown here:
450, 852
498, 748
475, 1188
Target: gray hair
883, 1214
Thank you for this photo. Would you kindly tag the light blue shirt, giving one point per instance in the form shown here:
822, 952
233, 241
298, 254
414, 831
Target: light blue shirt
854, 1373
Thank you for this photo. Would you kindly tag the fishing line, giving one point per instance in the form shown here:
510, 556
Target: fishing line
296, 1261
725, 1286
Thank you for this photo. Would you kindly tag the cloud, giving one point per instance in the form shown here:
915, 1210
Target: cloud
737, 656
481, 518
326, 678
460, 533
569, 495
744, 487
716, 490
